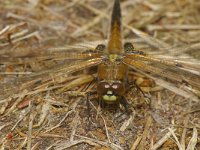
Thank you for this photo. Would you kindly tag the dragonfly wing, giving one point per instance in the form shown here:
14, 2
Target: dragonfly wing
166, 69
19, 84
22, 54
167, 61
48, 57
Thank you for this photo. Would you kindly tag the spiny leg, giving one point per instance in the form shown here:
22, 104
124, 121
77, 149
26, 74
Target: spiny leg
124, 102
127, 111
88, 110
88, 102
101, 103
134, 85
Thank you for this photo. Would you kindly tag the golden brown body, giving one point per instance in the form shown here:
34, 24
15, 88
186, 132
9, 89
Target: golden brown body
112, 73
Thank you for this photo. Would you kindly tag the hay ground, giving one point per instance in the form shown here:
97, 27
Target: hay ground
44, 116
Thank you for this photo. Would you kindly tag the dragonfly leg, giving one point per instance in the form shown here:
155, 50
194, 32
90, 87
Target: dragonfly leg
140, 90
124, 102
134, 85
101, 103
127, 110
89, 108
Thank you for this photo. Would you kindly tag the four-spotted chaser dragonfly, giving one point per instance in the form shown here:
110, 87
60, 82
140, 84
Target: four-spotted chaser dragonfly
113, 62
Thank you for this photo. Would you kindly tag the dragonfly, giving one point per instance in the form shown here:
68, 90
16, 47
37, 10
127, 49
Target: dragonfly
112, 60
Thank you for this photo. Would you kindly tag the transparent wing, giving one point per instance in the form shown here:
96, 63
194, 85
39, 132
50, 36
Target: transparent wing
50, 57
54, 74
27, 54
171, 69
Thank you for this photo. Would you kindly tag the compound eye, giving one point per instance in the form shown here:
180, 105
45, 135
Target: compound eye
103, 87
116, 85
118, 88
107, 86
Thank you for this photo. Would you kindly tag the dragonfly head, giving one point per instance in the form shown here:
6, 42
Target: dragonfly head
110, 92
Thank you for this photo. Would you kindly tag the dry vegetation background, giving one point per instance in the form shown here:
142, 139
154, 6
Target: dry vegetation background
42, 119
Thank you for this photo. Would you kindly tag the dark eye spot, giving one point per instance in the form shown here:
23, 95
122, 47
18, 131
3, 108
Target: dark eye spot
106, 86
115, 86
118, 87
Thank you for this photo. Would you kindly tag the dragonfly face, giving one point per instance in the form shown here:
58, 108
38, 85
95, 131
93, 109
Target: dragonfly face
111, 91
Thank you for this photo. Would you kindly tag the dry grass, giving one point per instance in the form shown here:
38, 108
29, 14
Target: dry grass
52, 114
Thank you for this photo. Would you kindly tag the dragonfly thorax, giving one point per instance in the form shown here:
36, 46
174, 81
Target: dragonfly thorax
114, 58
